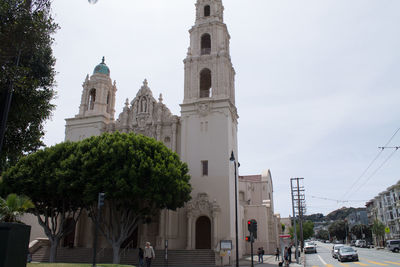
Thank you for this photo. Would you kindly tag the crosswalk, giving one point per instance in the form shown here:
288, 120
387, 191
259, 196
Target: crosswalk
362, 263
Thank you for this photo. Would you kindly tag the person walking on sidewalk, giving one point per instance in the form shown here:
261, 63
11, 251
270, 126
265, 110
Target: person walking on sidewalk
141, 256
262, 254
277, 254
259, 254
290, 253
149, 254
286, 256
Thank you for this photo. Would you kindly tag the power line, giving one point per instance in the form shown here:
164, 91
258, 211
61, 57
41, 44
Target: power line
369, 166
377, 169
338, 200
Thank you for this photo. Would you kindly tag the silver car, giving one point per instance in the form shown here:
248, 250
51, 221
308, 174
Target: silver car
335, 250
347, 254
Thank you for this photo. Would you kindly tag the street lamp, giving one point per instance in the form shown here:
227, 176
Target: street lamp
236, 211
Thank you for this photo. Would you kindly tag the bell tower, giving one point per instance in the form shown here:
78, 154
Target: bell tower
209, 122
208, 68
97, 106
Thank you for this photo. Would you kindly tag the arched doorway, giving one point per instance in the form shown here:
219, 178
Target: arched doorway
203, 233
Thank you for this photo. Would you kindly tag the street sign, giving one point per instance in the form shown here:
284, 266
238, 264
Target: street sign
387, 230
226, 244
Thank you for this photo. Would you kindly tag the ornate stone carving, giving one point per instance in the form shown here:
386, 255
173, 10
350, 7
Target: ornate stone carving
202, 206
203, 109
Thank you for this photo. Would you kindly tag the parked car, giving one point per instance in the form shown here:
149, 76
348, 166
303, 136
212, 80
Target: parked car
347, 253
310, 247
352, 243
361, 243
393, 245
335, 250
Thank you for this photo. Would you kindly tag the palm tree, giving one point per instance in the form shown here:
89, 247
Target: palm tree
13, 207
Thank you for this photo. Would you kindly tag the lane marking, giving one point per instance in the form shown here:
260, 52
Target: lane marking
323, 262
392, 262
344, 264
360, 263
315, 266
377, 263
329, 265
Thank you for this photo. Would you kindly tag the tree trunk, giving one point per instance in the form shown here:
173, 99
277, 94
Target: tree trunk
116, 253
53, 249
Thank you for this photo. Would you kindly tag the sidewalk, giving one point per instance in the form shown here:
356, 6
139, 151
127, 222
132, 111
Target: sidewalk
269, 260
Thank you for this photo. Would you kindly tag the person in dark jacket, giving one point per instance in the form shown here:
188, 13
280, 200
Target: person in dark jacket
277, 254
141, 256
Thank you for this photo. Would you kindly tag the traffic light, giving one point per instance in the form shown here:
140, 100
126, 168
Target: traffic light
101, 199
248, 239
252, 227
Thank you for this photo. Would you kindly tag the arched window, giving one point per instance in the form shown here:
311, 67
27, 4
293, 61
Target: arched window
92, 98
205, 44
207, 11
205, 83
108, 102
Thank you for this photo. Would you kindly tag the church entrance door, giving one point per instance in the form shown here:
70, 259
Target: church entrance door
203, 233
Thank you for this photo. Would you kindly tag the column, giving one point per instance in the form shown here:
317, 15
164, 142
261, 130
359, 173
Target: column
189, 231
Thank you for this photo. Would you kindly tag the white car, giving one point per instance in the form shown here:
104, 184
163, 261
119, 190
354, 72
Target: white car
310, 247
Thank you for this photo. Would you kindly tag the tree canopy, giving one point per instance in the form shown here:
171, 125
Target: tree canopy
338, 229
51, 179
308, 230
26, 63
139, 176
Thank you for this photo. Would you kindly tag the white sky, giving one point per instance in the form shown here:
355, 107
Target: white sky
317, 84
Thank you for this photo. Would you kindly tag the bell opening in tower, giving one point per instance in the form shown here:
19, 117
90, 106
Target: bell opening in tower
205, 83
92, 98
205, 44
207, 11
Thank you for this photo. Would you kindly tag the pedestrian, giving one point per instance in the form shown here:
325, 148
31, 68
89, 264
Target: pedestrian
141, 253
259, 254
290, 253
262, 254
149, 254
277, 254
286, 256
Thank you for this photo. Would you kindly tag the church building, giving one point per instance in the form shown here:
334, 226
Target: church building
204, 136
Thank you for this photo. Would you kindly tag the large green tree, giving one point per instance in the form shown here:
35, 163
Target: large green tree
27, 66
51, 179
361, 231
378, 229
338, 229
139, 176
323, 234
308, 230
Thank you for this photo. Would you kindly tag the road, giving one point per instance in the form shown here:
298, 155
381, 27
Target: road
368, 257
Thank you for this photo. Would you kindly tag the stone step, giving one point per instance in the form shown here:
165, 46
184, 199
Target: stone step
199, 258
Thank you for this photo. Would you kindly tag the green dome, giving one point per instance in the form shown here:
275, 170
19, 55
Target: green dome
102, 68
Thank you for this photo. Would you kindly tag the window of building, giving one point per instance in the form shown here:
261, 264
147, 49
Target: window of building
204, 167
205, 44
92, 98
207, 11
108, 102
205, 83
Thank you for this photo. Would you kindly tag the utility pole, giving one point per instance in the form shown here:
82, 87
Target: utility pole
298, 205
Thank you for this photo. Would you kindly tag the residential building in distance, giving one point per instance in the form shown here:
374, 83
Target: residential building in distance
357, 217
385, 207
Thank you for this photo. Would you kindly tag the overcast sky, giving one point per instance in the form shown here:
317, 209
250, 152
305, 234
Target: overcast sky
317, 83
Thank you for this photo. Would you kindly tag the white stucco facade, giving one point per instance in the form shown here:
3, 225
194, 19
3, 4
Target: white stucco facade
204, 135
